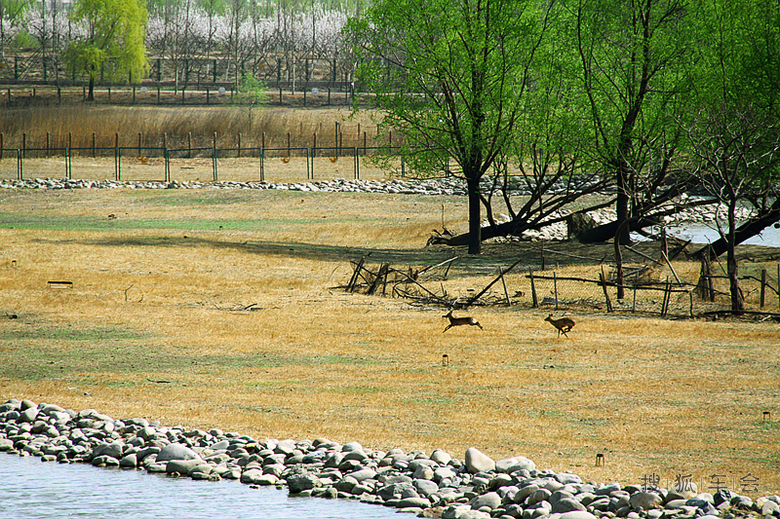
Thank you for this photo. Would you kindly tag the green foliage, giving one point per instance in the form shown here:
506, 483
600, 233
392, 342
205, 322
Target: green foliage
451, 77
24, 40
252, 90
116, 30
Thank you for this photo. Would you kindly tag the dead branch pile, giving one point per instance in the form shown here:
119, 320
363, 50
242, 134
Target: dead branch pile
407, 284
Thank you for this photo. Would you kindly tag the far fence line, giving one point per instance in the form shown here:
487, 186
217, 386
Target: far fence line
133, 155
282, 93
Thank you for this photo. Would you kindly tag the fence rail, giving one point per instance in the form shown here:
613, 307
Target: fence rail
281, 93
761, 294
158, 163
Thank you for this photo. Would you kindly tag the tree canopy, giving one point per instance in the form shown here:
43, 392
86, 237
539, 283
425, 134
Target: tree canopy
113, 45
563, 89
451, 76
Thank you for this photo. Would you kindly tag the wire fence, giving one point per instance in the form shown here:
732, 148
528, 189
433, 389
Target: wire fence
670, 298
708, 296
205, 164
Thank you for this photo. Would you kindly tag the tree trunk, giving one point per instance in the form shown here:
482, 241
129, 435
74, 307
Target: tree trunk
91, 89
732, 268
621, 204
475, 223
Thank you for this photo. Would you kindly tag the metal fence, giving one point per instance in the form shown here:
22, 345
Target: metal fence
284, 93
205, 164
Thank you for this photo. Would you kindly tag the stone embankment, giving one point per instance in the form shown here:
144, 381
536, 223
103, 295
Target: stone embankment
435, 485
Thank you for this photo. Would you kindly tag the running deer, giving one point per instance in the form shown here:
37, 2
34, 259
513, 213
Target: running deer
564, 324
458, 321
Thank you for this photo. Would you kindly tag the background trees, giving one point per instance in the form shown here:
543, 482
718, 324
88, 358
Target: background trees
113, 41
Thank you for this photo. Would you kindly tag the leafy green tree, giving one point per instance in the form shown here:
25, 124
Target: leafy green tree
451, 76
114, 34
636, 69
734, 129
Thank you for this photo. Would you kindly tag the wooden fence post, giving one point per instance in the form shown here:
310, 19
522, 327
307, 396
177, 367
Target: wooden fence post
606, 293
763, 288
533, 290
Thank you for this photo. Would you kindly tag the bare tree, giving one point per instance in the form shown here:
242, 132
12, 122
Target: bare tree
736, 155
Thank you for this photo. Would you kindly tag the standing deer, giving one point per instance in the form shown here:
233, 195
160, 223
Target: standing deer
564, 324
458, 321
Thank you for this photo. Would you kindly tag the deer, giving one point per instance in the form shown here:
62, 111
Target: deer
563, 325
459, 321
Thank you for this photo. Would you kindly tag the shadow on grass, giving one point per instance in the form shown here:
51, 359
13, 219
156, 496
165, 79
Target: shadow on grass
531, 255
425, 256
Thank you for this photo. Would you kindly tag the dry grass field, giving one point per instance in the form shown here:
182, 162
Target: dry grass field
218, 308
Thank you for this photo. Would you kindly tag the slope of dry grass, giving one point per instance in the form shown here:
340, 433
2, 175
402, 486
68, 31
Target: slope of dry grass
217, 309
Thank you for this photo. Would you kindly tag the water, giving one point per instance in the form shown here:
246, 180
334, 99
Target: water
700, 233
31, 488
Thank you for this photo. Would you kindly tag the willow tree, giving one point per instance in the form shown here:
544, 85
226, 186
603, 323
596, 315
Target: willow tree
112, 43
636, 62
450, 75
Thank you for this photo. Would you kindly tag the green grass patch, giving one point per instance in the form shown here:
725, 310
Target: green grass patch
89, 223
71, 334
432, 399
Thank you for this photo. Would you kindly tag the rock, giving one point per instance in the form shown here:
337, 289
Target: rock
722, 496
413, 502
425, 487
683, 490
567, 478
768, 507
256, 477
558, 495
492, 500
28, 415
510, 465
297, 483
389, 491
645, 500
578, 514
567, 504
478, 462
182, 467
423, 472
109, 449
176, 451
741, 502
363, 474
129, 462
605, 490
443, 473
463, 512
539, 495
440, 457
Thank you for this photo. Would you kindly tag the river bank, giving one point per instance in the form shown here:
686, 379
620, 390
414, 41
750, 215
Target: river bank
435, 485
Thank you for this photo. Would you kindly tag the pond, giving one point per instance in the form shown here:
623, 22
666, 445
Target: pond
31, 488
700, 233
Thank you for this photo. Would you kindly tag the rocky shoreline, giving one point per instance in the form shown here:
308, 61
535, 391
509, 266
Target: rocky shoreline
435, 485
